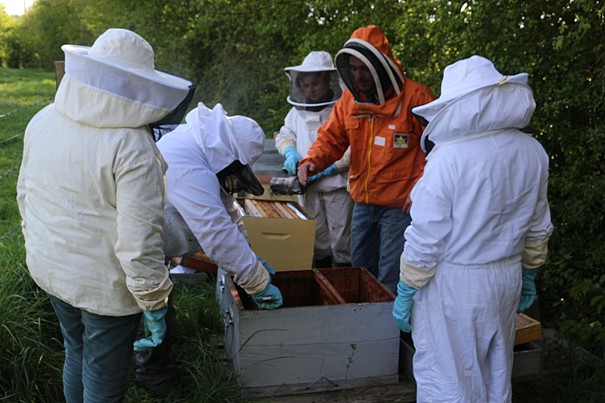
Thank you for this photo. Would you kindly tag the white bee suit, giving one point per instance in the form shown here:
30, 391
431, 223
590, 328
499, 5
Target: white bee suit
90, 188
481, 201
199, 214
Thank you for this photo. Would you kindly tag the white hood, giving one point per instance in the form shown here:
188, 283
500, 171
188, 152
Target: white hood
488, 109
476, 98
114, 83
225, 139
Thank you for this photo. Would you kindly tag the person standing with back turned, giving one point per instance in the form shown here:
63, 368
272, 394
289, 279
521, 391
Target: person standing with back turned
480, 228
374, 118
91, 196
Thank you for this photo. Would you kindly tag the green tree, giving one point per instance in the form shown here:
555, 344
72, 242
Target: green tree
46, 26
7, 25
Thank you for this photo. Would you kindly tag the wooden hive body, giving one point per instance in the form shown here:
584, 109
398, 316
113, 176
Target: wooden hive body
335, 331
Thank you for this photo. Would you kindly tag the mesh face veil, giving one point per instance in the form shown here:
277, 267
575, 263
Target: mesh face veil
314, 89
172, 120
384, 71
240, 178
315, 83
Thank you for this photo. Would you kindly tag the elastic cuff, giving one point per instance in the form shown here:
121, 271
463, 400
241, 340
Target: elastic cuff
534, 254
413, 276
258, 282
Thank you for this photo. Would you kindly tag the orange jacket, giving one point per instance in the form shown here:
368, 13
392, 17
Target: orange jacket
386, 158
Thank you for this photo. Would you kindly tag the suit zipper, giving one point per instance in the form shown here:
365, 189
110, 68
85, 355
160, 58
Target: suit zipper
367, 181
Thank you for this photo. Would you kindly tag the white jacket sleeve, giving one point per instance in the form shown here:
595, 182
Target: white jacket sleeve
196, 196
139, 206
342, 164
425, 237
536, 240
234, 212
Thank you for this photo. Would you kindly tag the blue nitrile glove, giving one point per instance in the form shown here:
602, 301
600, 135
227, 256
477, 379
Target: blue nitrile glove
269, 298
155, 328
331, 170
403, 305
292, 159
528, 292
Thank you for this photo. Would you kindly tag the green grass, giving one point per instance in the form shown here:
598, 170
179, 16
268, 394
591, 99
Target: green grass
31, 351
201, 373
23, 92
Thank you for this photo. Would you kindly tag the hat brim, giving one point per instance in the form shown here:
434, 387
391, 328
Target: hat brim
430, 110
156, 76
306, 105
308, 69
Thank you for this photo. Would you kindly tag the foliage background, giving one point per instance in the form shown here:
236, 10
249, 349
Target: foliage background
236, 52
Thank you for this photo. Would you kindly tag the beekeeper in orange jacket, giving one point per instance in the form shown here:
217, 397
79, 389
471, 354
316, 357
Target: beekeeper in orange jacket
374, 118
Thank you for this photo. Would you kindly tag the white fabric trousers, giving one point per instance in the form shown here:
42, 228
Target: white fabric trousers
463, 327
332, 212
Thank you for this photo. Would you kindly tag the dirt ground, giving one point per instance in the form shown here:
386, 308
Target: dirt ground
402, 392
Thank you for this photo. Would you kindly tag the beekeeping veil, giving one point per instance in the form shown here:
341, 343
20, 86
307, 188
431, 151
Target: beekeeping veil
231, 145
317, 63
369, 45
121, 62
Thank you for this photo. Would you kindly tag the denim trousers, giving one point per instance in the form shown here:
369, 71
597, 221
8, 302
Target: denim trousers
98, 353
377, 240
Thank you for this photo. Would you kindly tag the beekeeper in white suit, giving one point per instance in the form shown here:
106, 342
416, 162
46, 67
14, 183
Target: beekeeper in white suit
480, 227
314, 89
209, 159
91, 196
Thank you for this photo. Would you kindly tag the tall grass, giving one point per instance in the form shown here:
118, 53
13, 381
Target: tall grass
30, 342
202, 375
30, 346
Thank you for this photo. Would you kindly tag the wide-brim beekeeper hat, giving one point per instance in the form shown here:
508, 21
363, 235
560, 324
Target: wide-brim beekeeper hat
121, 62
315, 62
464, 78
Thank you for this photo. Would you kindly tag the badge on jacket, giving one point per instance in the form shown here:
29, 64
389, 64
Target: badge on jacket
400, 140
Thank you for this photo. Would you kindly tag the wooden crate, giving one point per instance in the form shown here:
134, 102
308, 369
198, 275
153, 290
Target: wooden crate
527, 329
335, 331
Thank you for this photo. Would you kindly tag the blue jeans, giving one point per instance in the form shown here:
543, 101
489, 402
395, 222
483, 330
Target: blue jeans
98, 353
377, 241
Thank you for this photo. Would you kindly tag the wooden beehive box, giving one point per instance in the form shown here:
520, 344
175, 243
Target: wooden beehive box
527, 329
280, 232
335, 331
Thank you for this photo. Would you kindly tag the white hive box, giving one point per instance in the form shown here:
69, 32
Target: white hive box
335, 331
